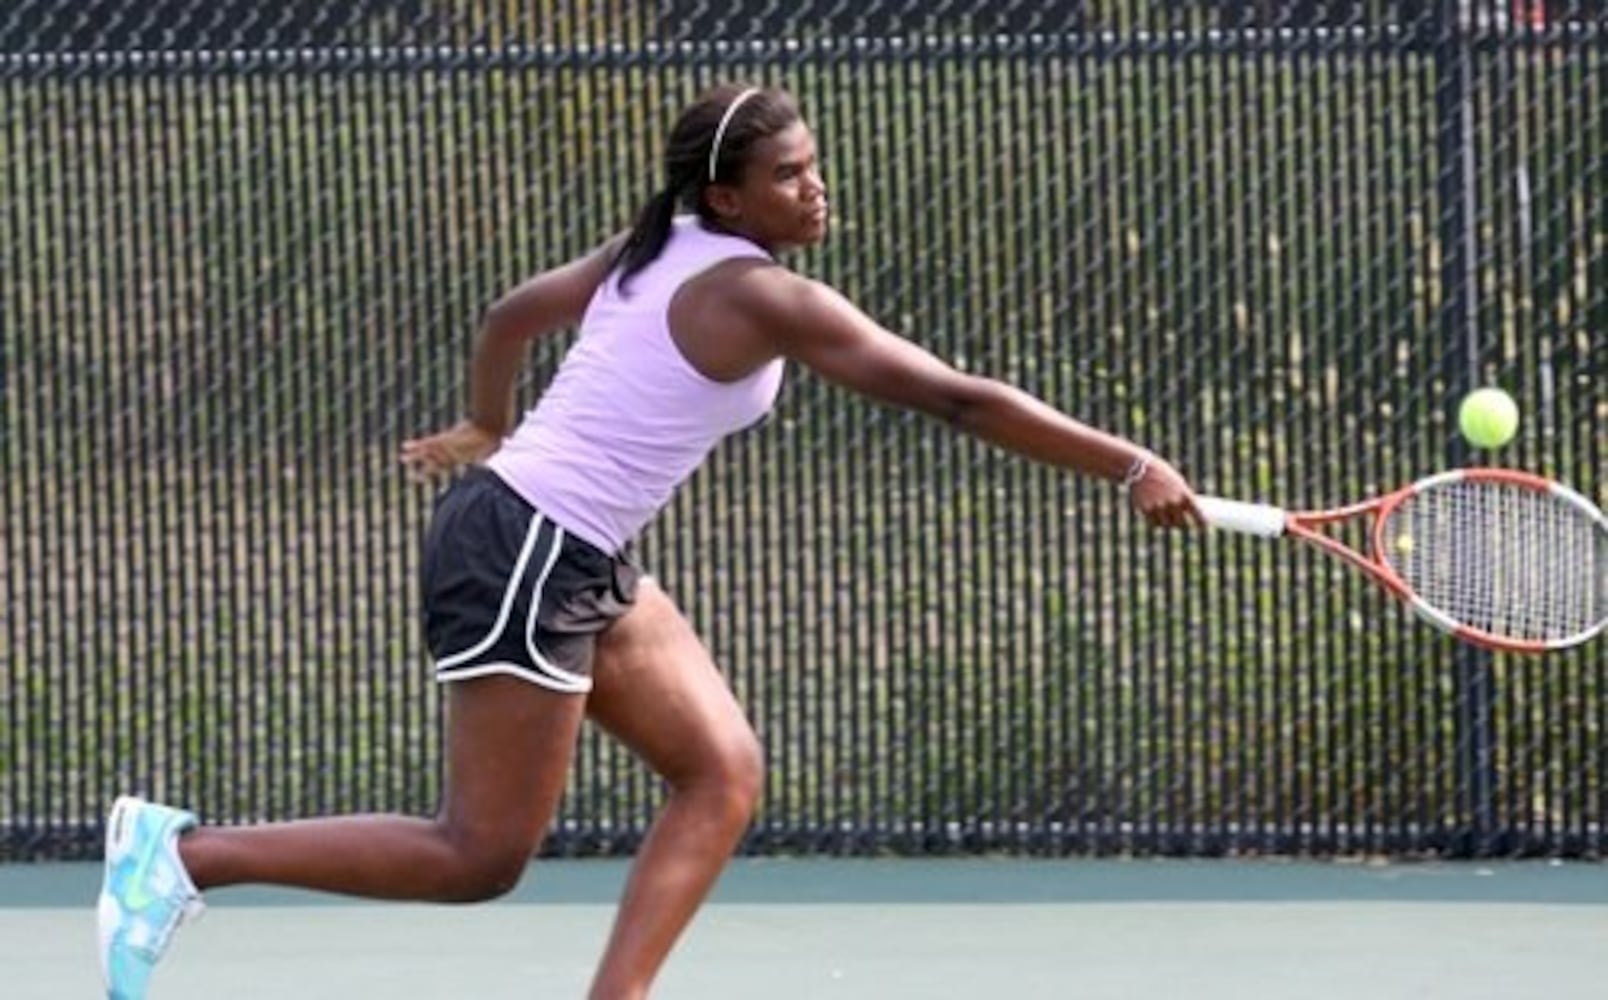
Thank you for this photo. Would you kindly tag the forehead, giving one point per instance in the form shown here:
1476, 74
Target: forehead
794, 143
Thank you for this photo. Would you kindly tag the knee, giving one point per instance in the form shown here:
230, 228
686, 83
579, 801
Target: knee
486, 867
731, 777
493, 877
748, 775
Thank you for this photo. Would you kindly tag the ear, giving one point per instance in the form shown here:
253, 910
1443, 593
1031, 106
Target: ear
723, 201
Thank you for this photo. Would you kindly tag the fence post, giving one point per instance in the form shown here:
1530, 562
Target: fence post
1454, 27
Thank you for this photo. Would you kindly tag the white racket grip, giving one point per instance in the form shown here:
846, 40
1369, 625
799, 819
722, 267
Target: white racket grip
1260, 519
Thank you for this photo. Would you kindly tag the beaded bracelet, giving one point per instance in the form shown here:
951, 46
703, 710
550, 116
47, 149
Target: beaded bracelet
1136, 471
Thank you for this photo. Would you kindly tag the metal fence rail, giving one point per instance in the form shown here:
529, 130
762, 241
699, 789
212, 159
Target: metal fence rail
242, 256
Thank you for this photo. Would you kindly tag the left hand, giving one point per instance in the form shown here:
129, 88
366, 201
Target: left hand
442, 453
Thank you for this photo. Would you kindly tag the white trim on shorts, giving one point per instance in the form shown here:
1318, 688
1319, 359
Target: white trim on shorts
514, 670
555, 678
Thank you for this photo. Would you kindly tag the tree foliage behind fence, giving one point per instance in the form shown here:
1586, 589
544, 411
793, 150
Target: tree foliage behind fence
243, 251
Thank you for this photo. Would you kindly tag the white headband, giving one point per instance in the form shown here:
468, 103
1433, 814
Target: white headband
720, 131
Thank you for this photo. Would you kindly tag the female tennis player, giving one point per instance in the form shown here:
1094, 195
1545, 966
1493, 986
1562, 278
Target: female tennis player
536, 614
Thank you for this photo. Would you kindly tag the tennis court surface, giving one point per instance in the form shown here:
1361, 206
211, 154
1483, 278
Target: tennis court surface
791, 929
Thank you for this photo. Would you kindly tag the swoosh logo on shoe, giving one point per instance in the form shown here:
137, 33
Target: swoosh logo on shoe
138, 898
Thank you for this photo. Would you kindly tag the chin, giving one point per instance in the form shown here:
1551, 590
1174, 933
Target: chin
802, 240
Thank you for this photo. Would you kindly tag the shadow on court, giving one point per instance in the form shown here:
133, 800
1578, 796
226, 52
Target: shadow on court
793, 929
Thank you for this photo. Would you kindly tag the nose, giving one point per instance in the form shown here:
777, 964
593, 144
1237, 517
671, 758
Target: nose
814, 184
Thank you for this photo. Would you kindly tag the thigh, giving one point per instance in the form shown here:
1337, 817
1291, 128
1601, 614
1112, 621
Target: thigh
509, 746
657, 690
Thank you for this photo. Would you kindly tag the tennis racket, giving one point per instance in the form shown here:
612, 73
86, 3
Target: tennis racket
1501, 559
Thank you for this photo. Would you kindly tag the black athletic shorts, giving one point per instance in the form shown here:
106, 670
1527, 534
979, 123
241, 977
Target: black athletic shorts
507, 591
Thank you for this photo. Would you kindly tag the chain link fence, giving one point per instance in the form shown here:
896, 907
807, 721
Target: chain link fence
244, 248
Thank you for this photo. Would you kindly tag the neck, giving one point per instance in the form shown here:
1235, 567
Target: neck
738, 230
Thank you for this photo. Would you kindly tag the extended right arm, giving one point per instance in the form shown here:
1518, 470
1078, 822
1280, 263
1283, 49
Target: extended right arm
815, 325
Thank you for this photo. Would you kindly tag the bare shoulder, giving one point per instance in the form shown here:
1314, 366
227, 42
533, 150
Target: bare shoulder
779, 300
757, 285
774, 312
593, 267
558, 296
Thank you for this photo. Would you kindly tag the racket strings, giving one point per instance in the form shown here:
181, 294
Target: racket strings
1504, 559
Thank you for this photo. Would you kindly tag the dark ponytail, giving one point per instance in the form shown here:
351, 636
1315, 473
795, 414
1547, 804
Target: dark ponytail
686, 161
648, 237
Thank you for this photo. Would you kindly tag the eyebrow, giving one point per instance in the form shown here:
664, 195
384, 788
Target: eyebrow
795, 163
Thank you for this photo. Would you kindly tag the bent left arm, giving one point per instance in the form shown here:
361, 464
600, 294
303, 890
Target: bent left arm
538, 306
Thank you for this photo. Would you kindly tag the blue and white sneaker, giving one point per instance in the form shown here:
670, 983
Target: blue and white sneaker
146, 893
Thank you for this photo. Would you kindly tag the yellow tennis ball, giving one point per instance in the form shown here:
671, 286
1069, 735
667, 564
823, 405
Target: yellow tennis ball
1404, 543
1488, 417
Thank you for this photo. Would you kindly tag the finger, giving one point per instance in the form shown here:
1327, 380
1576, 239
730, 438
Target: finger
421, 453
435, 469
1186, 514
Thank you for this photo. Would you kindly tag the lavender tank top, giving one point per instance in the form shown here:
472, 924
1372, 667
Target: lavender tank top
627, 418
